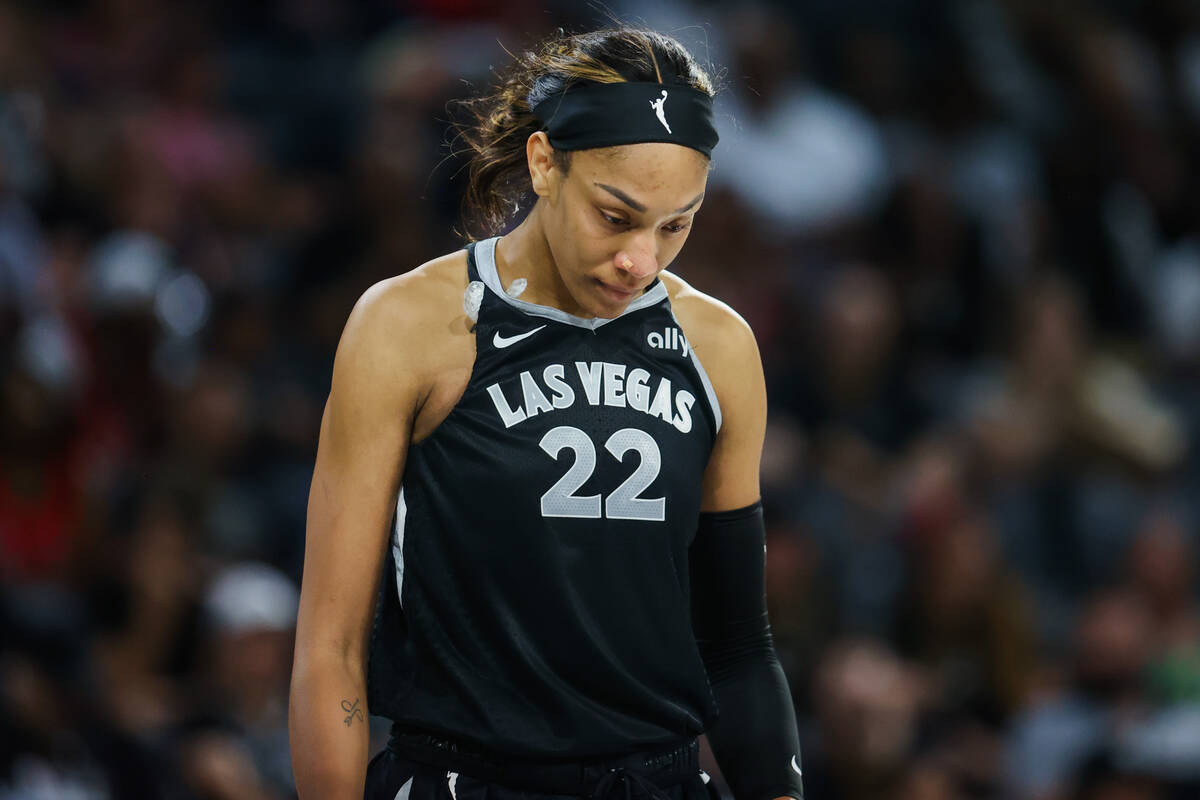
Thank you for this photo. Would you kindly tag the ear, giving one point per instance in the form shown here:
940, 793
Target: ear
543, 174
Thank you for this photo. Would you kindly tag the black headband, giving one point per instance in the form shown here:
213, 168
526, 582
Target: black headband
607, 114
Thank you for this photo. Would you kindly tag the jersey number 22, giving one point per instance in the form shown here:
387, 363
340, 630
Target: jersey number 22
623, 502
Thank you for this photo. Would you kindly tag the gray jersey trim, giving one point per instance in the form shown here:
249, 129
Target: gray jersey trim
398, 544
708, 387
485, 261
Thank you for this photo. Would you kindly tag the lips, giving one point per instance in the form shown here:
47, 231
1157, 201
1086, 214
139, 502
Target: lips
617, 294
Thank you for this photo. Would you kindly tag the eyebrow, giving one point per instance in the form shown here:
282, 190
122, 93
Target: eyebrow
636, 206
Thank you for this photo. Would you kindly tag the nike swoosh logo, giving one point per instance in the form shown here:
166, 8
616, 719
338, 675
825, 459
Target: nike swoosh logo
505, 341
796, 766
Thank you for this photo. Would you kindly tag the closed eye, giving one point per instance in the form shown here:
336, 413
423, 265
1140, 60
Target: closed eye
617, 222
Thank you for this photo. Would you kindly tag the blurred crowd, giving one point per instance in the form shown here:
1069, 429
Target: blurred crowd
966, 233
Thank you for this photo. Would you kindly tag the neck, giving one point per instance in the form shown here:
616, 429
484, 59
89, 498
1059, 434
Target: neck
525, 253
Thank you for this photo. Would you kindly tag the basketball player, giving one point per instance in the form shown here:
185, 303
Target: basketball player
548, 446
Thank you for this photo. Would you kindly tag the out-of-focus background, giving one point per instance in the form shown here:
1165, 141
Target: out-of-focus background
967, 234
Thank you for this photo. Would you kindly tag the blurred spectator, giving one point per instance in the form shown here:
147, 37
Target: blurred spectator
55, 738
251, 615
800, 156
1104, 705
966, 235
1162, 569
867, 705
968, 621
40, 499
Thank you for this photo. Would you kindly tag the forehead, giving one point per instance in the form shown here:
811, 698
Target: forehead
659, 174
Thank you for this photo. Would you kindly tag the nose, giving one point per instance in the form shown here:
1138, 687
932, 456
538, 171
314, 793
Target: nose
637, 263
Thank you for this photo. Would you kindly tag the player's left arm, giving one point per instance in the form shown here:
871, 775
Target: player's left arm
755, 738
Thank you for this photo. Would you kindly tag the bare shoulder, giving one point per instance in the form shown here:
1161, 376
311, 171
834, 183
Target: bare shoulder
404, 337
412, 316
432, 291
721, 338
723, 342
702, 313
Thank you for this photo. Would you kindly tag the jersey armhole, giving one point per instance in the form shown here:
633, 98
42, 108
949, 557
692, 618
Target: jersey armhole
714, 407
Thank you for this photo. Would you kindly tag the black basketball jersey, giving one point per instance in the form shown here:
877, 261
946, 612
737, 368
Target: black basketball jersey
536, 599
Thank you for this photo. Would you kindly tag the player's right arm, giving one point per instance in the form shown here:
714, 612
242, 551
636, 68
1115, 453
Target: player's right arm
365, 430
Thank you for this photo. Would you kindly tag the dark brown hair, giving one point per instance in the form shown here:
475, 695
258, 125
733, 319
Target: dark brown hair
494, 127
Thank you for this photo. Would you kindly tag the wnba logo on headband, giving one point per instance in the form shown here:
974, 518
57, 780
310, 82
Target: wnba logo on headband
607, 114
657, 105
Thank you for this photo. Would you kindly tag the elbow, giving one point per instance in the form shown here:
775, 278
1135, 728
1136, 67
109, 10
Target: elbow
729, 654
329, 644
318, 664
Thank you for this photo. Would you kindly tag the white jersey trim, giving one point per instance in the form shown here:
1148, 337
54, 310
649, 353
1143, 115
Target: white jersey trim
709, 392
485, 262
398, 544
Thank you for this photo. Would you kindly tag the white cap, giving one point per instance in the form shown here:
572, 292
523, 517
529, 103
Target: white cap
126, 269
252, 597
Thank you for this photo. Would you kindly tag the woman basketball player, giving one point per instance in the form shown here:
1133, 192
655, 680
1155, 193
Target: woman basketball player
563, 503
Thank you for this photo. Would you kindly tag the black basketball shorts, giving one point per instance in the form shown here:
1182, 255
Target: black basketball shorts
393, 774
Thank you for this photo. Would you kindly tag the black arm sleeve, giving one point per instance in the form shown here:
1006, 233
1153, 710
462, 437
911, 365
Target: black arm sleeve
754, 739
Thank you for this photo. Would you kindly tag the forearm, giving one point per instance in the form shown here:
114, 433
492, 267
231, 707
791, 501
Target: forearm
755, 740
328, 729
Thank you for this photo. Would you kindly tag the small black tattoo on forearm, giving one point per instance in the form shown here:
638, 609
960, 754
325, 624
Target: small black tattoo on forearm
353, 712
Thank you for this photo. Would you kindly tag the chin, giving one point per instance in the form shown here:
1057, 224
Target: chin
598, 308
608, 309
